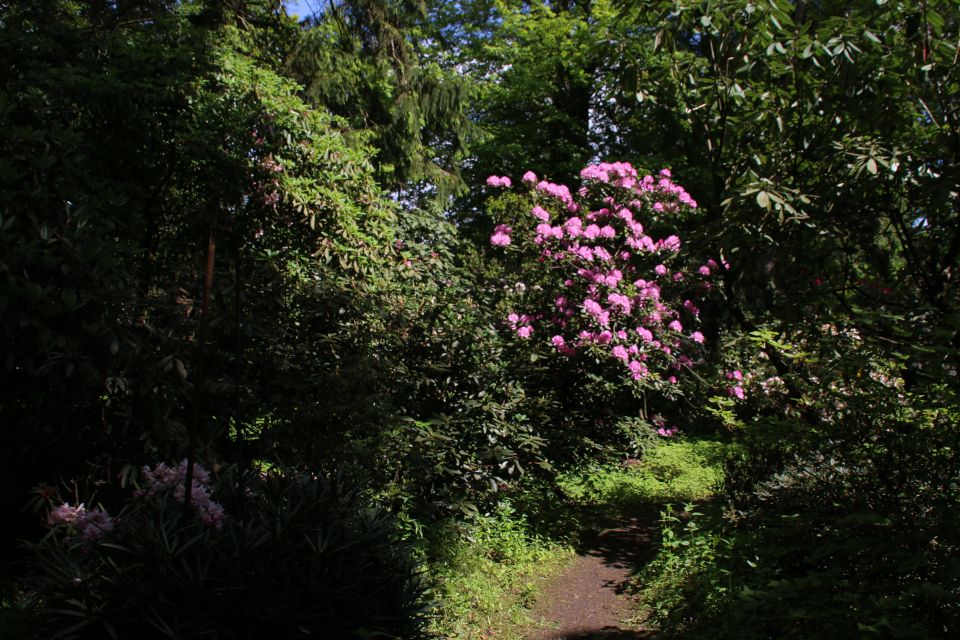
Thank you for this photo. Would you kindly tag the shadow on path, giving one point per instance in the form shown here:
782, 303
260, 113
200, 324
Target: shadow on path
623, 543
588, 599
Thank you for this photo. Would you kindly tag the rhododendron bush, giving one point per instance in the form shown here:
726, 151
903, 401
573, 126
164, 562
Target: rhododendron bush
293, 555
606, 287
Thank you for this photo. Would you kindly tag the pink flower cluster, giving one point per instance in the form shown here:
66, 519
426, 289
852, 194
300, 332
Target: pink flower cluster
606, 305
92, 525
494, 181
666, 433
735, 391
501, 236
163, 477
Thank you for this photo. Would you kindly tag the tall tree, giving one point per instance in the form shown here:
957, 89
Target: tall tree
124, 141
373, 62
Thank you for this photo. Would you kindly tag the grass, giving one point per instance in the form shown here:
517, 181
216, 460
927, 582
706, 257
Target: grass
675, 472
489, 574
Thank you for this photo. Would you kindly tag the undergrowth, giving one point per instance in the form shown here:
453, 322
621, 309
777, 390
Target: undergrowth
676, 471
490, 569
488, 573
788, 559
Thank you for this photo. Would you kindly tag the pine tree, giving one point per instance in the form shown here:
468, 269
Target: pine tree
373, 62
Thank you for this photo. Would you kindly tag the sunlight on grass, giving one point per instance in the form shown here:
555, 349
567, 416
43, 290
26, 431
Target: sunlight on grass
677, 471
489, 575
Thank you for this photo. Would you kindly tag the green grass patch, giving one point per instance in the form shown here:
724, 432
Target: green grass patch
488, 573
676, 471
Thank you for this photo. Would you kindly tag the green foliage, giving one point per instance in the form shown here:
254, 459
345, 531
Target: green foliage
672, 471
121, 144
311, 558
369, 62
833, 190
489, 571
855, 536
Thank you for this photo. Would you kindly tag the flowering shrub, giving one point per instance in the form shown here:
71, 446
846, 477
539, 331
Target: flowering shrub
610, 289
308, 557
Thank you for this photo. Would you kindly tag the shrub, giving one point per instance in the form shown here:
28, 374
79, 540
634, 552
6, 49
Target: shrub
300, 556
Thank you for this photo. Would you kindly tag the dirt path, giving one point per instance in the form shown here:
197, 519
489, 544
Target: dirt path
587, 600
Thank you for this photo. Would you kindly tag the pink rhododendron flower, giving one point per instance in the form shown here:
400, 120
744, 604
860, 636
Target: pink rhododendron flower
602, 254
65, 514
541, 213
525, 331
737, 375
704, 270
567, 350
620, 302
696, 336
97, 524
557, 340
605, 337
530, 178
501, 235
91, 525
672, 243
619, 352
736, 391
660, 270
162, 477
676, 326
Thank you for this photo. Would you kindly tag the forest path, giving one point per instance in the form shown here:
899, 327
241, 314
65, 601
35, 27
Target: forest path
588, 599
